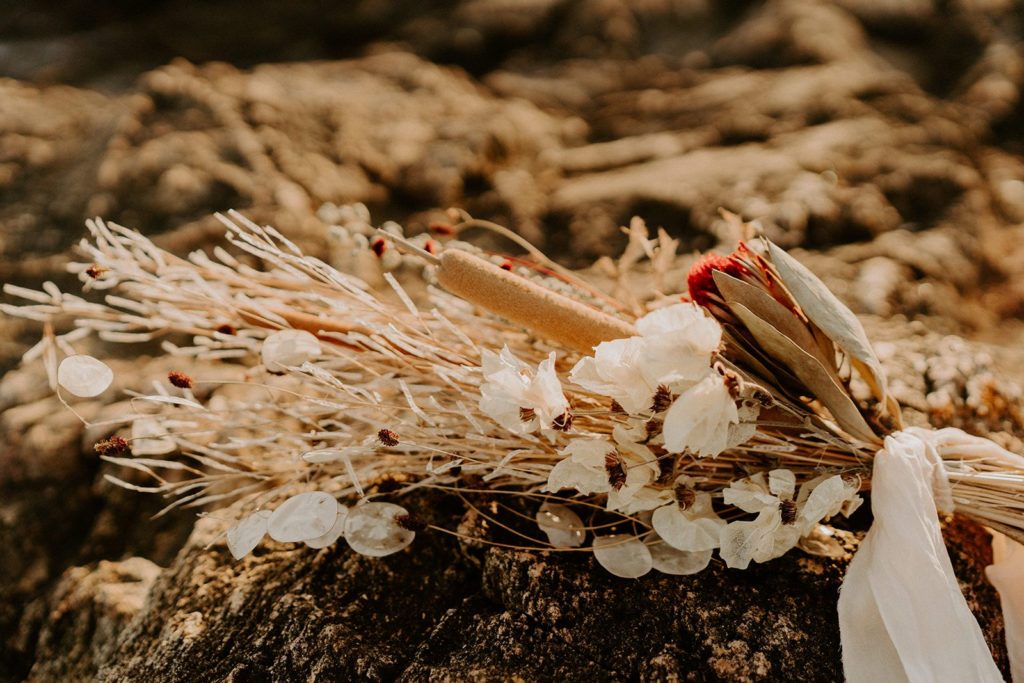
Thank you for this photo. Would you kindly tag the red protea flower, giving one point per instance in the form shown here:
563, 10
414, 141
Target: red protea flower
701, 281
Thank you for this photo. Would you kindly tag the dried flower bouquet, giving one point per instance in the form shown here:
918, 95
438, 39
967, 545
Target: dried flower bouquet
735, 418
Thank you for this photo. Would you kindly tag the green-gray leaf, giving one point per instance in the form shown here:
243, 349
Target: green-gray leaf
837, 321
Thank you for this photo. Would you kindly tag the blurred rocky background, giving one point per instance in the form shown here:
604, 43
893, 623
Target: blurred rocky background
881, 139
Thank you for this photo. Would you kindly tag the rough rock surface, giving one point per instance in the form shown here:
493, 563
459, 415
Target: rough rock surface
849, 129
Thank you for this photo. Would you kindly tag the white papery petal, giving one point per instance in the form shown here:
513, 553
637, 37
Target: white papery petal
244, 536
688, 321
563, 527
782, 483
624, 556
149, 437
333, 534
669, 560
545, 395
750, 494
510, 385
289, 348
589, 452
698, 421
826, 500
616, 371
371, 529
741, 542
690, 530
568, 474
84, 376
631, 500
302, 517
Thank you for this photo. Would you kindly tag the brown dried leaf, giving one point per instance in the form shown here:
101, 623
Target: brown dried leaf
764, 306
811, 372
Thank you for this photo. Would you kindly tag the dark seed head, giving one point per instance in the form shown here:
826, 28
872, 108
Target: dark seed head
387, 438
527, 414
227, 329
788, 510
563, 422
379, 245
410, 522
616, 472
685, 496
662, 399
94, 271
617, 407
653, 427
179, 379
115, 445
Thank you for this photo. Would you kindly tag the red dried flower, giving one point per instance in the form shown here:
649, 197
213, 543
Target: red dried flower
179, 379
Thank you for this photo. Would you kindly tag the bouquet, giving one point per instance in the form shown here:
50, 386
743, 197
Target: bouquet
652, 428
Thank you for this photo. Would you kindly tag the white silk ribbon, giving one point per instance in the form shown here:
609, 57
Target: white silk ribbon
902, 616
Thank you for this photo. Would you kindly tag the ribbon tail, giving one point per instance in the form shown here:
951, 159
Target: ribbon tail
901, 612
1007, 575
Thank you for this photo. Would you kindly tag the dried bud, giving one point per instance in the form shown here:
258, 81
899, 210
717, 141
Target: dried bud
179, 379
563, 422
387, 438
115, 445
662, 399
441, 229
379, 245
653, 428
788, 510
94, 271
616, 472
410, 522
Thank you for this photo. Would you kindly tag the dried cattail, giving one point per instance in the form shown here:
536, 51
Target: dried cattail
387, 438
179, 379
616, 472
115, 445
548, 314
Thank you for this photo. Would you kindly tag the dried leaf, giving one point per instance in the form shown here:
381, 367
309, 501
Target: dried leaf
826, 311
811, 372
761, 304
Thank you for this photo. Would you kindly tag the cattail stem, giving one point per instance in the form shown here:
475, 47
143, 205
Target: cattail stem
550, 315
